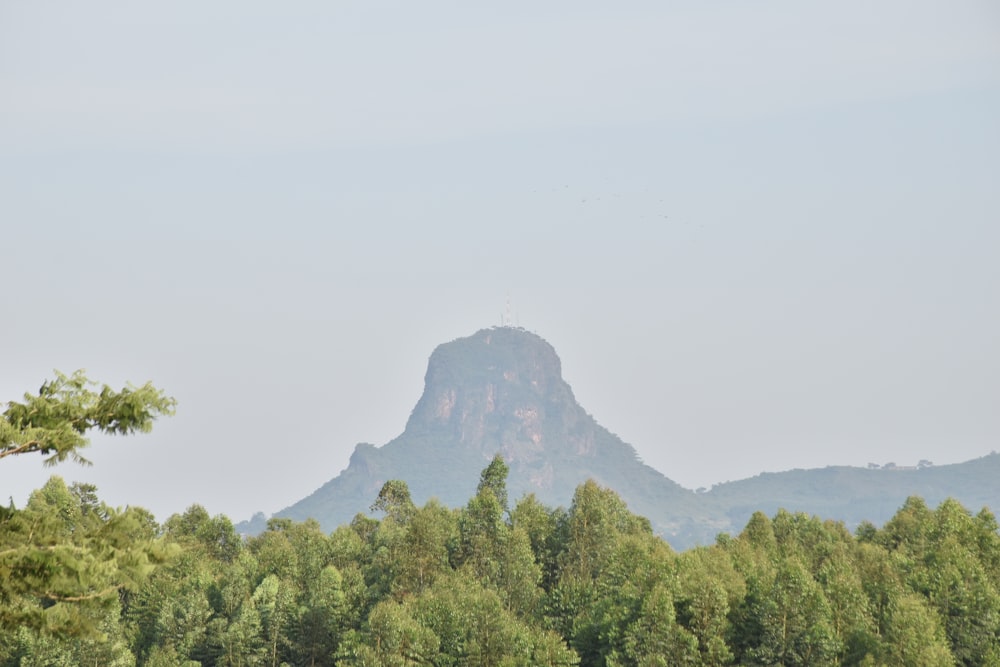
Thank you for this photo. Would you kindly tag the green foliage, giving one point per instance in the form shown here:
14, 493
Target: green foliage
708, 588
394, 500
791, 620
949, 557
395, 639
214, 535
494, 480
479, 586
31, 647
428, 539
64, 559
55, 422
655, 638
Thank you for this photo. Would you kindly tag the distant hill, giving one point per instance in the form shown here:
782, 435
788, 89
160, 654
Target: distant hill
853, 495
501, 391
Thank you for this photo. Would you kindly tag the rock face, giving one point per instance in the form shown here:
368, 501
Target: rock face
501, 391
498, 391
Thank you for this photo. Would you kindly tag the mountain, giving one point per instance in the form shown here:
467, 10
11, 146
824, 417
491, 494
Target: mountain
498, 391
501, 391
853, 495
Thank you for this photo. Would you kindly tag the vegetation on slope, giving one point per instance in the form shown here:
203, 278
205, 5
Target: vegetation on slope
495, 584
487, 584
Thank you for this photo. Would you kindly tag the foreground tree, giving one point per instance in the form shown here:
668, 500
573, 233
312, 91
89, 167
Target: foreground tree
65, 557
55, 422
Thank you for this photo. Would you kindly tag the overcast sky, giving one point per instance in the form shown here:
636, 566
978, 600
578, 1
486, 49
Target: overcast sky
761, 236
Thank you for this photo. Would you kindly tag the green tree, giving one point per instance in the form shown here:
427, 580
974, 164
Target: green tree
67, 554
430, 531
350, 555
494, 480
320, 621
541, 525
792, 620
709, 587
169, 614
394, 500
63, 560
948, 556
853, 622
474, 627
235, 634
55, 422
243, 642
394, 639
608, 564
597, 519
914, 637
108, 647
215, 536
274, 600
654, 639
499, 555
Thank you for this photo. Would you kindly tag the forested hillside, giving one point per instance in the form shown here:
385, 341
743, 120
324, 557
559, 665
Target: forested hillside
493, 582
523, 584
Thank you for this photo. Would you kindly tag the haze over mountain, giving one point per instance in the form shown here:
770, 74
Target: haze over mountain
501, 391
783, 215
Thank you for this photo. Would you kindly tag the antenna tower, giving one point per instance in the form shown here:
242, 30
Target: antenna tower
507, 317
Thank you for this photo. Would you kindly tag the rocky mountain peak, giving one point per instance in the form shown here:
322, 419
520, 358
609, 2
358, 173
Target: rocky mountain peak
500, 389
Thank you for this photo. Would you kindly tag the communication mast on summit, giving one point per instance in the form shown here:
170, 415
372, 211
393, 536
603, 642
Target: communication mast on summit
506, 317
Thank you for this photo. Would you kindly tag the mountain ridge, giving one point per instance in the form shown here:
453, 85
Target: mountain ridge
501, 391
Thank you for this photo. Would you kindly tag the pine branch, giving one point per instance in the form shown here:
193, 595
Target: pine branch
21, 448
81, 598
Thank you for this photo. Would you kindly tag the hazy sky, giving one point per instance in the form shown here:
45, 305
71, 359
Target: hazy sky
760, 235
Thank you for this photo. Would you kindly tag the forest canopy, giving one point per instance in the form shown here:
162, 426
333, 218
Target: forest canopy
66, 556
526, 585
493, 583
